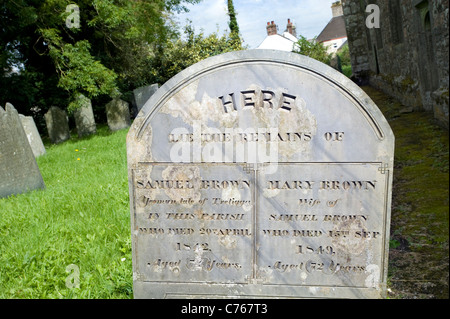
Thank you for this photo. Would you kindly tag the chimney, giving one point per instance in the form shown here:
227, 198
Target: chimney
271, 28
336, 9
291, 28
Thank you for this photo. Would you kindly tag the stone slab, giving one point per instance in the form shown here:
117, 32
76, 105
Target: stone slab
19, 172
118, 114
57, 125
143, 94
260, 174
84, 117
33, 136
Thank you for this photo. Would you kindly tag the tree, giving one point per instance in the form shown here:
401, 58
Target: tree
344, 55
177, 55
40, 50
318, 51
312, 49
233, 24
27, 77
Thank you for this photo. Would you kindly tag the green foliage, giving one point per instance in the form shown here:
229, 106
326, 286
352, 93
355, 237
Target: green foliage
233, 24
347, 70
318, 51
394, 244
312, 49
77, 68
177, 55
114, 40
344, 55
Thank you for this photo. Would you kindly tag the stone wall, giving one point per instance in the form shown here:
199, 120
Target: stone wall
407, 57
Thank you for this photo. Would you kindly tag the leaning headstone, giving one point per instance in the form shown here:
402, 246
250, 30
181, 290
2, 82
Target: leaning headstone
19, 172
57, 125
84, 117
143, 94
32, 134
260, 174
118, 114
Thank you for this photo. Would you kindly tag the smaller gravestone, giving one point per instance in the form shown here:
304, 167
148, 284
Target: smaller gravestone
335, 63
84, 117
32, 134
19, 171
142, 94
118, 114
57, 125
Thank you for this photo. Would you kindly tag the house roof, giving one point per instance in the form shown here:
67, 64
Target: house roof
283, 42
335, 29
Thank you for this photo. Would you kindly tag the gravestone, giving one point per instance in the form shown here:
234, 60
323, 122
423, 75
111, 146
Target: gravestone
118, 114
32, 134
57, 125
84, 117
19, 171
336, 63
260, 173
142, 94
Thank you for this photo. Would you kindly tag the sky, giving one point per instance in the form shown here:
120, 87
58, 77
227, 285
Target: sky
309, 16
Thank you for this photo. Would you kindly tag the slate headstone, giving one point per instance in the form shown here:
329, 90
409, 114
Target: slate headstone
19, 172
118, 114
143, 94
32, 134
57, 125
260, 174
84, 117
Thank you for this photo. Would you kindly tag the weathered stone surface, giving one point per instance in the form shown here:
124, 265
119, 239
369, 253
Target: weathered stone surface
84, 117
19, 172
118, 114
57, 125
407, 56
260, 174
32, 134
143, 94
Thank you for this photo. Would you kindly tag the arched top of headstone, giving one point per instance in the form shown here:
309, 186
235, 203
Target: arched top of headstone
269, 89
19, 172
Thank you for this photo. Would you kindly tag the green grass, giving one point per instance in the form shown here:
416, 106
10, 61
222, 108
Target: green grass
418, 260
81, 218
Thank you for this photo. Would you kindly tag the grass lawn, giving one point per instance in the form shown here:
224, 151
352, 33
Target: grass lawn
81, 218
418, 256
